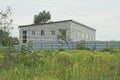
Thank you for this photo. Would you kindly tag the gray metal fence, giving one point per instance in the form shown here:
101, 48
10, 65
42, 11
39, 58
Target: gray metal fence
72, 45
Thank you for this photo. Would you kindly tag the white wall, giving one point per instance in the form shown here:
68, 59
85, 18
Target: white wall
47, 28
79, 32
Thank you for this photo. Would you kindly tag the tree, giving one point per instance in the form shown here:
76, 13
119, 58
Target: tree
4, 37
15, 41
42, 17
62, 36
5, 27
81, 45
5, 21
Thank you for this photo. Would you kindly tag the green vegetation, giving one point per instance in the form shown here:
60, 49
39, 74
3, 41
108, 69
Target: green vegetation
62, 37
81, 46
60, 65
5, 27
42, 17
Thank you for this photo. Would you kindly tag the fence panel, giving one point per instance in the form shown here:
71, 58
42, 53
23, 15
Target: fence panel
72, 45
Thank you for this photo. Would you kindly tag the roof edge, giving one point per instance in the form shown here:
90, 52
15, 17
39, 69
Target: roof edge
83, 25
57, 22
44, 23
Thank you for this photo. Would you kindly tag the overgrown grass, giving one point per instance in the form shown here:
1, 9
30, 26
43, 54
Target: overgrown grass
60, 65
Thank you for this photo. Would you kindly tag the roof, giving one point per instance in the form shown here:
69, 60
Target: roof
83, 25
58, 22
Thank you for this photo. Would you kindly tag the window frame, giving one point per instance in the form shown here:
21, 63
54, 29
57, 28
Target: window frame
42, 32
24, 32
53, 32
24, 37
33, 32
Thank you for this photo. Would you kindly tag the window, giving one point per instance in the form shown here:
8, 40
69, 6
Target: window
25, 41
53, 32
24, 36
24, 32
42, 32
33, 32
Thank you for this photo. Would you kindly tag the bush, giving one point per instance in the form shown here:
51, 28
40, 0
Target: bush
81, 46
23, 49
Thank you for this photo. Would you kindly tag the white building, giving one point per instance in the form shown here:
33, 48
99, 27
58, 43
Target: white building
49, 31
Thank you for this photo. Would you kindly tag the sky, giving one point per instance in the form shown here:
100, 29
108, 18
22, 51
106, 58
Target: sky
102, 15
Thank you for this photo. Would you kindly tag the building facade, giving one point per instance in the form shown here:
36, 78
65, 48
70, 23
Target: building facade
49, 32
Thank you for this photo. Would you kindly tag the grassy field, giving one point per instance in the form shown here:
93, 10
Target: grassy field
60, 65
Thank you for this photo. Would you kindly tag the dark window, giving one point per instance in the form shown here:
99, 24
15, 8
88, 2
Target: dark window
24, 41
24, 36
42, 32
53, 32
33, 32
24, 32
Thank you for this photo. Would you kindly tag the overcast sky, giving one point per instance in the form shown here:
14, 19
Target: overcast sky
103, 15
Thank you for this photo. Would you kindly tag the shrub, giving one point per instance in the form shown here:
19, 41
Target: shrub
81, 46
23, 49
